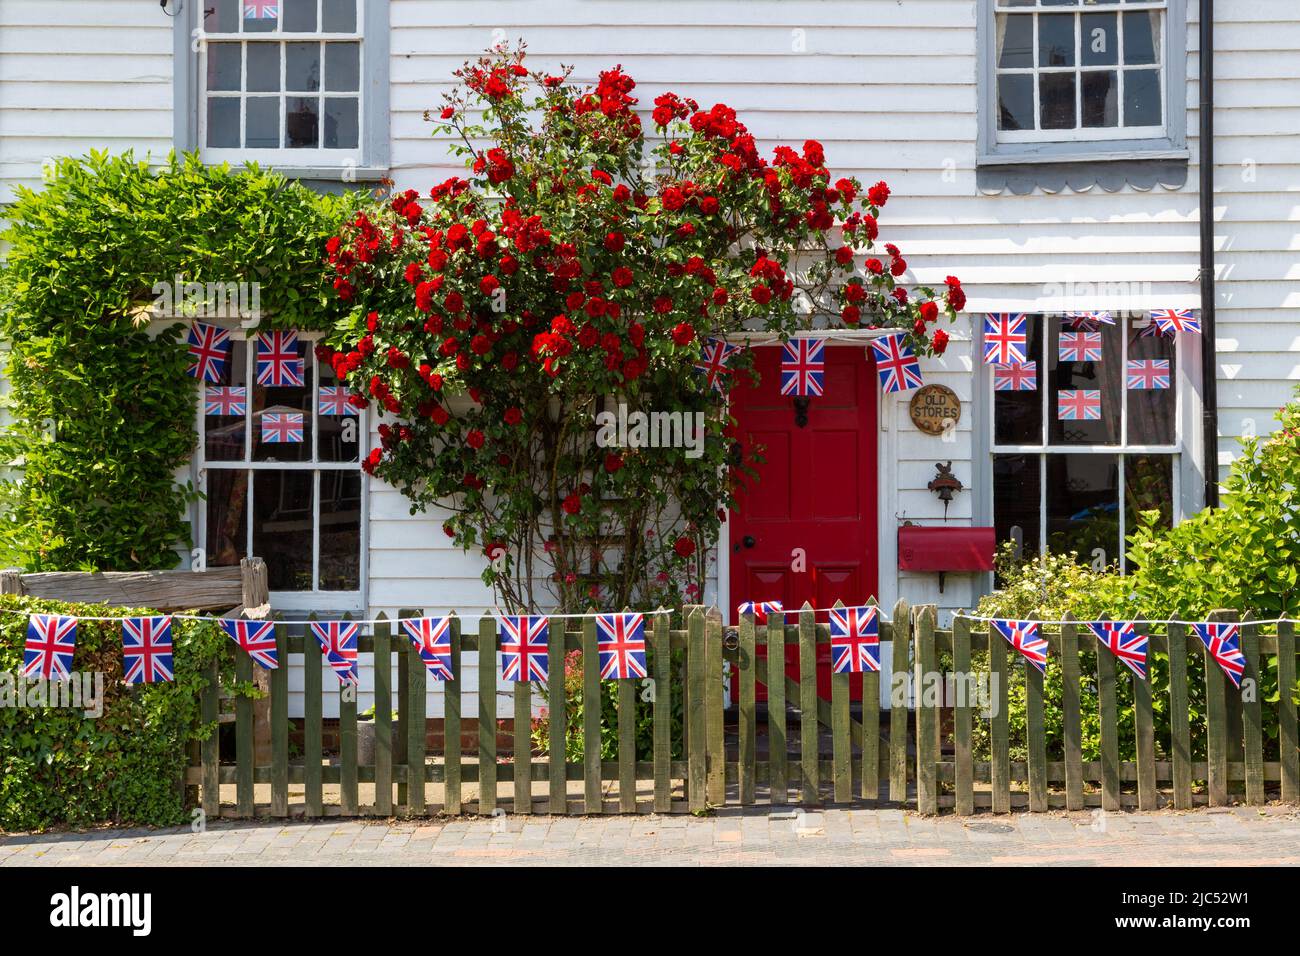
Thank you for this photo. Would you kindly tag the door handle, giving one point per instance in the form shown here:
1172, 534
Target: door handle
748, 541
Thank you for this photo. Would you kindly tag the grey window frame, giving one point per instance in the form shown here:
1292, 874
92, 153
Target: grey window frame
1172, 146
375, 145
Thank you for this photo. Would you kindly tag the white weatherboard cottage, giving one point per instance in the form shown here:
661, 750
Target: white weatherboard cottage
1048, 153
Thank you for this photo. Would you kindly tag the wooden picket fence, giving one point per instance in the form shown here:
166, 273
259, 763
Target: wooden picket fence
919, 756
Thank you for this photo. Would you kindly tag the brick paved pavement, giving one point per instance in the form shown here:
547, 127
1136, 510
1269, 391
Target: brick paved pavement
1263, 836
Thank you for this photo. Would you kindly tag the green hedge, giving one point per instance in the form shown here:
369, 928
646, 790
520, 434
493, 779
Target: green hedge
58, 766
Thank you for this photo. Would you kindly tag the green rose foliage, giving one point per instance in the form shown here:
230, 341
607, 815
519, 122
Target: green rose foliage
58, 766
579, 266
103, 407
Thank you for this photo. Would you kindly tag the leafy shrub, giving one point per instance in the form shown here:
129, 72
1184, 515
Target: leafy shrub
58, 766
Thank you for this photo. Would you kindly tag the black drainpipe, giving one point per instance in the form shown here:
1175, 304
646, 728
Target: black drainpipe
1209, 363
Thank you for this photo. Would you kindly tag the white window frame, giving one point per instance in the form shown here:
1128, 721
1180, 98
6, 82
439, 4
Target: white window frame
1181, 381
306, 600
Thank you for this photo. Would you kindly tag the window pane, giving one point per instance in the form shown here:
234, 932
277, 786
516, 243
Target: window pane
275, 438
1101, 99
1015, 42
260, 24
342, 67
223, 121
227, 527
302, 67
1089, 384
1151, 409
223, 434
262, 122
1056, 101
302, 122
1100, 40
221, 16
299, 16
1083, 505
263, 67
1016, 102
1141, 36
1142, 98
1018, 415
339, 16
340, 435
1148, 486
341, 123
282, 527
1056, 39
1016, 489
340, 531
223, 66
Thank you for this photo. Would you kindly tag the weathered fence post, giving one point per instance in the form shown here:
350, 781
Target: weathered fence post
1071, 714
1216, 723
900, 634
697, 759
927, 713
1288, 745
11, 581
964, 773
715, 731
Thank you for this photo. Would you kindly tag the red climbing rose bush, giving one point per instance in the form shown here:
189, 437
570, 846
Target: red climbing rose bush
577, 267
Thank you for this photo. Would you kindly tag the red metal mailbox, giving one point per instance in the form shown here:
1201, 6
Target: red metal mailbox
945, 549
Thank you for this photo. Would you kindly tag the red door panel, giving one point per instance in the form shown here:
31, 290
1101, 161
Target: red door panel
815, 496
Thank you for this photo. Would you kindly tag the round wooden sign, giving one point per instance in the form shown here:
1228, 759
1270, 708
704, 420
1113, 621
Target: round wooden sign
935, 408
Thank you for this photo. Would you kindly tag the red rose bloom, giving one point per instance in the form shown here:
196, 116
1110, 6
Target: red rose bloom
614, 242
761, 294
878, 194
929, 311
940, 341
684, 547
572, 504
623, 277
489, 284
513, 416
613, 462
474, 439
844, 255
683, 334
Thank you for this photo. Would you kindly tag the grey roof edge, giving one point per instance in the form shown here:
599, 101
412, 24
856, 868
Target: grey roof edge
1141, 174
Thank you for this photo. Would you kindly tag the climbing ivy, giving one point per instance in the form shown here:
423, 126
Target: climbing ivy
103, 408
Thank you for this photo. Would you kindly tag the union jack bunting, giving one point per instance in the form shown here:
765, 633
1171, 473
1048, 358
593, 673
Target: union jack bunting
713, 362
255, 637
523, 647
1151, 331
334, 401
278, 363
338, 641
281, 427
620, 640
209, 347
1088, 321
760, 610
147, 650
225, 400
1223, 641
261, 9
1148, 373
1022, 377
1079, 347
1024, 637
51, 639
432, 639
1078, 404
1006, 338
1170, 321
1123, 640
855, 640
896, 364
803, 367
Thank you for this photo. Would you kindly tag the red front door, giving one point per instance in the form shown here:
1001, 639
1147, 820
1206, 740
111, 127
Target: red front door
806, 529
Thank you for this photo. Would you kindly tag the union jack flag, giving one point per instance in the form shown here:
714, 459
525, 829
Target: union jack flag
51, 639
281, 427
1088, 321
209, 346
1022, 377
1223, 642
261, 9
1123, 640
855, 640
1152, 331
803, 367
432, 639
1024, 637
278, 363
147, 650
523, 647
334, 401
255, 637
1079, 347
226, 400
1078, 404
896, 364
620, 640
1148, 373
1006, 338
760, 610
713, 362
1170, 321
338, 639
